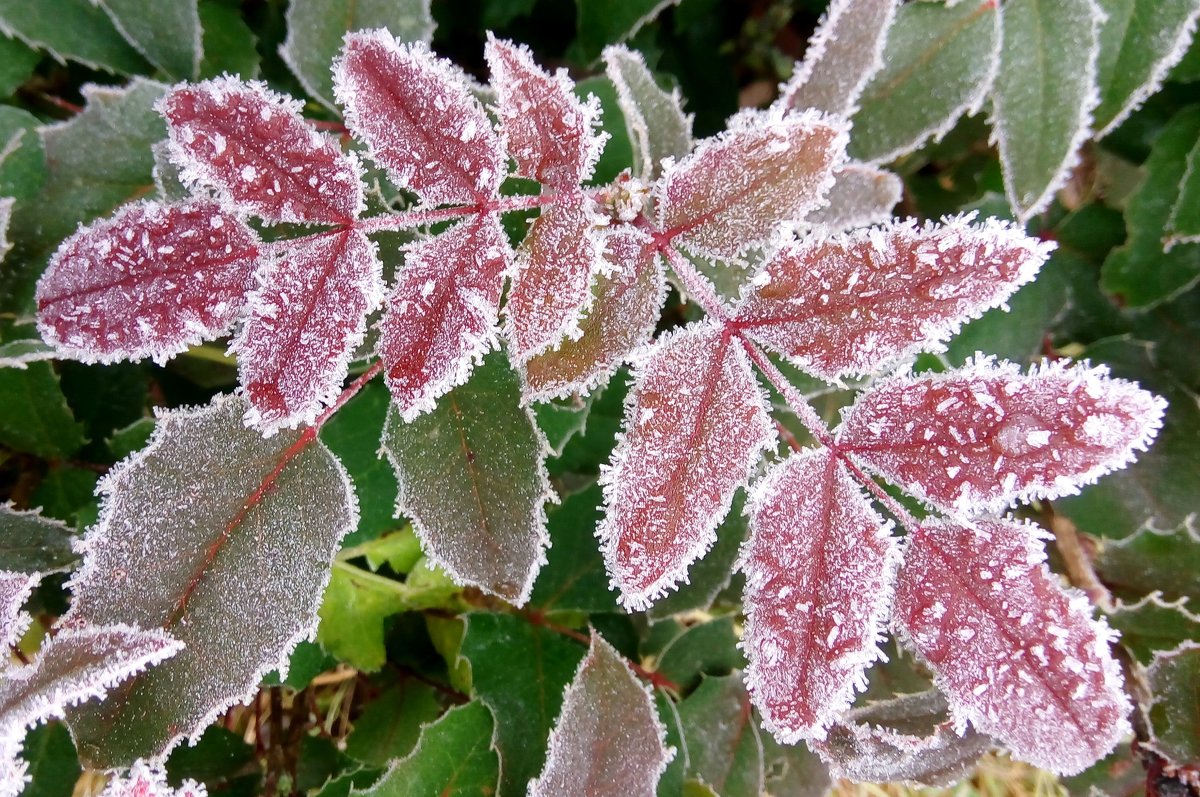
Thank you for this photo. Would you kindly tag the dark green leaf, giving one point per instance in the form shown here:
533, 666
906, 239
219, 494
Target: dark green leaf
34, 416
562, 419
712, 574
391, 724
598, 22
1116, 774
53, 766
1152, 625
22, 161
519, 670
705, 649
794, 770
724, 750
671, 782
353, 436
166, 34
220, 759
17, 61
68, 494
30, 543
123, 442
229, 44
71, 29
574, 578
1183, 225
1175, 710
304, 664
1152, 560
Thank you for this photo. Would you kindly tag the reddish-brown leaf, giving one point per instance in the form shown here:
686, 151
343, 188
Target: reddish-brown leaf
547, 130
1018, 657
254, 149
695, 424
306, 318
850, 303
418, 118
980, 437
149, 282
441, 317
629, 293
819, 568
734, 190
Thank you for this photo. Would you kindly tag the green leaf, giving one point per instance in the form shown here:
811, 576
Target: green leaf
68, 494
1139, 272
53, 765
472, 479
71, 29
30, 543
1139, 43
454, 758
794, 770
584, 453
671, 782
304, 664
222, 538
519, 670
1044, 95
1151, 560
390, 725
724, 749
704, 649
1175, 710
228, 43
574, 578
22, 161
1116, 774
1183, 225
34, 416
221, 759
655, 123
16, 64
400, 551
562, 419
600, 22
1152, 625
353, 436
166, 34
939, 62
316, 29
123, 442
712, 574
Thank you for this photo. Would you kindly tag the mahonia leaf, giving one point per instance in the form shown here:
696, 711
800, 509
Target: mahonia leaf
148, 282
167, 35
860, 195
629, 293
472, 478
1153, 625
15, 589
1017, 656
552, 281
695, 423
145, 780
721, 739
1044, 95
307, 317
608, 739
981, 437
1183, 223
441, 316
657, 126
79, 663
30, 543
224, 539
848, 304
844, 52
908, 739
819, 568
734, 190
1172, 712
254, 149
546, 129
418, 118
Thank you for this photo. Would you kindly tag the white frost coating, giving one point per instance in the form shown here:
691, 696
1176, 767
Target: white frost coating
6, 206
1074, 68
844, 52
161, 510
147, 779
15, 589
861, 195
608, 740
14, 775
657, 126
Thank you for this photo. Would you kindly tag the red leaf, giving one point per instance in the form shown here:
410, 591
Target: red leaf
850, 303
149, 282
145, 780
254, 149
547, 130
553, 279
819, 569
441, 317
695, 424
1018, 657
734, 190
416, 114
629, 293
981, 437
306, 318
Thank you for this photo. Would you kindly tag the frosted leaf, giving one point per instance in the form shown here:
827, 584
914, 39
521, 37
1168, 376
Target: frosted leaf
819, 567
695, 423
980, 437
441, 316
224, 539
860, 195
657, 126
31, 543
149, 282
254, 149
848, 304
15, 589
546, 129
23, 351
145, 780
842, 55
418, 118
472, 477
78, 664
909, 739
14, 775
735, 189
608, 741
551, 286
1017, 656
629, 293
6, 206
306, 319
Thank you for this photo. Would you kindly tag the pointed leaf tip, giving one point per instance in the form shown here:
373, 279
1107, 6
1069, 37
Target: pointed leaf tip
1018, 657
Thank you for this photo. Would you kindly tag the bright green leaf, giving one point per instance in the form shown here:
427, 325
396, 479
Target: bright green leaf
167, 34
724, 749
390, 725
71, 29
